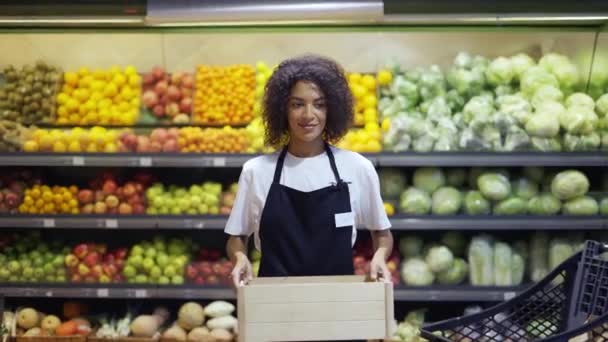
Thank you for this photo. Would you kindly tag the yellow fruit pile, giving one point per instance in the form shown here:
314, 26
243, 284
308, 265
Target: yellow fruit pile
96, 139
363, 140
256, 130
213, 140
363, 88
104, 97
261, 78
224, 95
42, 199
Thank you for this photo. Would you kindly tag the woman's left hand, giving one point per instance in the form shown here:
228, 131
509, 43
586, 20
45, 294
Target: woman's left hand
378, 269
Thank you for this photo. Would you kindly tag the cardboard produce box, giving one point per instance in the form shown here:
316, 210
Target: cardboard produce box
315, 309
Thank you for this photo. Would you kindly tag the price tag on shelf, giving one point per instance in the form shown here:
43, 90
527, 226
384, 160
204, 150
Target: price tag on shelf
103, 293
145, 161
49, 293
111, 223
78, 160
48, 223
219, 161
196, 224
141, 293
509, 295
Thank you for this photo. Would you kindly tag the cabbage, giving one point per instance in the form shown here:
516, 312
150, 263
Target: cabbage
534, 78
569, 184
455, 274
446, 201
481, 261
524, 188
502, 264
517, 139
431, 83
476, 204
546, 144
478, 107
564, 70
534, 173
407, 332
392, 182
439, 258
410, 246
583, 205
415, 202
543, 124
588, 142
500, 71
474, 174
601, 106
547, 93
544, 204
559, 251
518, 267
455, 241
578, 120
580, 101
539, 256
456, 177
416, 272
424, 143
416, 317
438, 108
604, 206
494, 186
429, 179
516, 106
520, 63
511, 206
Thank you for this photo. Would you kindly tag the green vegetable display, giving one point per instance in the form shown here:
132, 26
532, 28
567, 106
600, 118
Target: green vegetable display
439, 259
416, 272
446, 201
415, 202
429, 179
494, 186
392, 182
583, 205
569, 184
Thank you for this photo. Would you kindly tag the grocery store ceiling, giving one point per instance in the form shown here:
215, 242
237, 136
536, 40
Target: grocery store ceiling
289, 12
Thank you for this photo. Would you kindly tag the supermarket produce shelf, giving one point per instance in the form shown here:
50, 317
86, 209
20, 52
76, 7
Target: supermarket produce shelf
385, 159
468, 159
488, 223
218, 222
401, 293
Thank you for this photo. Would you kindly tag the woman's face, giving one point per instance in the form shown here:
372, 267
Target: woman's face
306, 112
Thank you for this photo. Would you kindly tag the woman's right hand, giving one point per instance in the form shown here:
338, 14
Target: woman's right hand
242, 273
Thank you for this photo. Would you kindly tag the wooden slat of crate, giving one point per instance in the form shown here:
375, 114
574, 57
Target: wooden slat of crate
314, 331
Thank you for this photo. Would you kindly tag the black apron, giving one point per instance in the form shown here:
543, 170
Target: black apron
298, 232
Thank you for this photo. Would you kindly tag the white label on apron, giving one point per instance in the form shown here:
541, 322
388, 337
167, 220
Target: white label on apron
345, 219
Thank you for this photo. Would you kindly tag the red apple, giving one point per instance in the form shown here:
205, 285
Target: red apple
185, 105
85, 196
176, 77
173, 132
159, 110
110, 270
129, 189
188, 81
139, 209
158, 73
173, 93
199, 280
81, 250
143, 144
172, 109
92, 259
76, 278
148, 80
71, 260
109, 187
191, 272
149, 98
109, 258
170, 146
125, 209
121, 253
158, 134
161, 88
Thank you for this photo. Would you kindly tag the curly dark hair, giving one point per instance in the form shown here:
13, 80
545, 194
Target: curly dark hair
325, 74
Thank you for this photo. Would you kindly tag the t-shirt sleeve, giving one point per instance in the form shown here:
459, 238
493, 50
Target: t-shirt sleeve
242, 219
372, 214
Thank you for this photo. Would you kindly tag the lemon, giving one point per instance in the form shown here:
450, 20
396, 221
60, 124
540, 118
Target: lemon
115, 69
96, 96
30, 146
98, 130
110, 148
373, 146
354, 78
104, 104
59, 146
92, 148
369, 82
82, 94
97, 85
130, 70
72, 105
358, 91
62, 98
370, 101
386, 124
372, 127
370, 114
74, 119
74, 146
62, 111
135, 102
385, 77
62, 121
358, 119
127, 93
70, 78
119, 79
135, 81
110, 90
375, 135
85, 81
99, 74
92, 117
83, 71
390, 210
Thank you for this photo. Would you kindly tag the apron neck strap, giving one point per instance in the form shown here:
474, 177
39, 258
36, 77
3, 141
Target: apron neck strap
332, 162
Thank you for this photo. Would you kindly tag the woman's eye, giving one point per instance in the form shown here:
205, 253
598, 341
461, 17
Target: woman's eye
320, 105
296, 105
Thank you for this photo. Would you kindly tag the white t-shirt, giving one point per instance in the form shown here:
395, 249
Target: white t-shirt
307, 174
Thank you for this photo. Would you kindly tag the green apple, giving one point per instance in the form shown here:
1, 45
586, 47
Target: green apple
152, 211
163, 211
58, 261
179, 264
14, 266
49, 269
129, 271
163, 280
137, 250
135, 261
191, 211
195, 201
155, 272
25, 263
170, 202
141, 279
50, 279
214, 210
39, 272
177, 280
150, 252
14, 279
210, 199
60, 272
162, 259
61, 278
170, 271
4, 274
158, 202
28, 272
38, 262
196, 190
203, 209
176, 211
147, 264
181, 193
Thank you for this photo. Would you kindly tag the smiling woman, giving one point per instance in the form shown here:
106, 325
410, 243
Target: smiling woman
303, 204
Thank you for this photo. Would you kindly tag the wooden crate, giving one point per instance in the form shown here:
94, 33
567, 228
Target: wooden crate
75, 338
314, 309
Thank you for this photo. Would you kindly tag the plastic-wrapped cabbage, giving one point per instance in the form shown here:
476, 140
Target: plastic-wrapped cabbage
478, 107
580, 101
410, 246
456, 176
425, 143
516, 106
446, 201
406, 88
564, 70
469, 141
416, 126
534, 173
511, 206
491, 135
455, 241
518, 267
429, 179
455, 274
481, 261
588, 142
455, 101
476, 204
547, 93
584, 205
524, 188
544, 204
520, 63
439, 258
542, 125
601, 105
569, 184
604, 206
446, 143
392, 182
438, 108
534, 78
432, 83
474, 174
500, 71
502, 264
517, 140
494, 186
546, 144
504, 90
466, 81
416, 272
559, 251
415, 202
539, 256
503, 122
577, 120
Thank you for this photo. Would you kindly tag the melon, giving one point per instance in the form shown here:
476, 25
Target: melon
190, 316
144, 326
50, 323
175, 333
199, 334
27, 318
